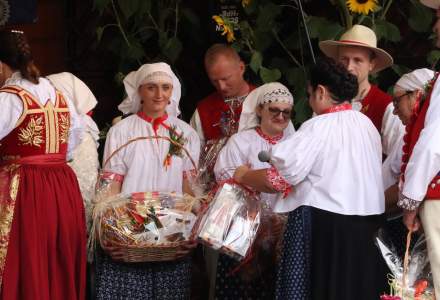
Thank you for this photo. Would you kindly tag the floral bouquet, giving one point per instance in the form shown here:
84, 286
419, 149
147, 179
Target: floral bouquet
231, 222
412, 278
150, 226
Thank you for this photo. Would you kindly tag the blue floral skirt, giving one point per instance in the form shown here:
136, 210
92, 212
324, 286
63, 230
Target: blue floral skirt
293, 278
149, 280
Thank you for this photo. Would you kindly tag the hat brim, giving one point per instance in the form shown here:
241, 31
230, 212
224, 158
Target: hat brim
383, 59
435, 4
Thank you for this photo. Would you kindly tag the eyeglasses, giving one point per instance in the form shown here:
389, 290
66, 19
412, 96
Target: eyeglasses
275, 112
397, 99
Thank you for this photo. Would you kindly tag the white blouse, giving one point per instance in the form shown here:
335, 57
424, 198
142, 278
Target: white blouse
12, 107
424, 163
142, 162
243, 148
334, 163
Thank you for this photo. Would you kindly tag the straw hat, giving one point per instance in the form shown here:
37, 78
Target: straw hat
435, 4
360, 36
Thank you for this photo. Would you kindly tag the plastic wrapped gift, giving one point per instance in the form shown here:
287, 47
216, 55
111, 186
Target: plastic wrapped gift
411, 282
231, 222
150, 220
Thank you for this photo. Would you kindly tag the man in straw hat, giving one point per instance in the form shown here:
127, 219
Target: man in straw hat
357, 51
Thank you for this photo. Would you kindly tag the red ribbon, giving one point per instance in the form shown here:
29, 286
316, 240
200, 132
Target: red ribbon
337, 108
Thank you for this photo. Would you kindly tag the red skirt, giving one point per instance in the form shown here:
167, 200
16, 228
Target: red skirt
46, 256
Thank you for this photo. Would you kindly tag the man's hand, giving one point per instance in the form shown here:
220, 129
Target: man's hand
411, 220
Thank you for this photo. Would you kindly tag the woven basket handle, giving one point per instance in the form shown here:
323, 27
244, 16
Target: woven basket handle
151, 138
405, 262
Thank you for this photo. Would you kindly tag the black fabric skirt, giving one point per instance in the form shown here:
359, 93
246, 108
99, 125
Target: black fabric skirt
346, 264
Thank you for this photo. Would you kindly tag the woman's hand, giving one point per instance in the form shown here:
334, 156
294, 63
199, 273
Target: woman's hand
411, 220
116, 253
240, 172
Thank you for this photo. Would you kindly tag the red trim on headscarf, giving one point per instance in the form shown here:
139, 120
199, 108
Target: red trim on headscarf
337, 108
155, 122
270, 139
413, 130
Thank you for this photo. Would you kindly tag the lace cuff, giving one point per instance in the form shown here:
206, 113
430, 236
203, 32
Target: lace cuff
278, 182
407, 203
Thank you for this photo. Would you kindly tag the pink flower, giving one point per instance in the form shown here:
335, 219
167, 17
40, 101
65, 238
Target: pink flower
388, 297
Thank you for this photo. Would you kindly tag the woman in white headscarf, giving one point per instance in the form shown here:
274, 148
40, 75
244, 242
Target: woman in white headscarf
416, 102
84, 159
153, 94
264, 122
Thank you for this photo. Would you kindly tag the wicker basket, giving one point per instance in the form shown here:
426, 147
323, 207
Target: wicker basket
138, 251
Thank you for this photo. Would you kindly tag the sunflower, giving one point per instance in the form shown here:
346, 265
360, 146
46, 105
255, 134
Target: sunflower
362, 6
245, 3
226, 28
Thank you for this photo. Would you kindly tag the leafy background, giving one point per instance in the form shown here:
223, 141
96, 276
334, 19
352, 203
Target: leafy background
269, 35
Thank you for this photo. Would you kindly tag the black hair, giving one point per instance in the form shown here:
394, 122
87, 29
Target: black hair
16, 53
342, 85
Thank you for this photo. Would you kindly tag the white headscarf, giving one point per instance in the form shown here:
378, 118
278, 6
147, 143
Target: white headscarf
132, 82
75, 89
267, 93
415, 80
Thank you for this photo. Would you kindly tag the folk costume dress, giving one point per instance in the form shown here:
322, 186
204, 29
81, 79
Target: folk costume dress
142, 166
420, 180
43, 233
333, 163
259, 277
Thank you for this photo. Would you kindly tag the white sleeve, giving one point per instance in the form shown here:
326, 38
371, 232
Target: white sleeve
229, 158
391, 166
76, 128
116, 163
10, 112
295, 157
193, 147
424, 162
392, 130
196, 123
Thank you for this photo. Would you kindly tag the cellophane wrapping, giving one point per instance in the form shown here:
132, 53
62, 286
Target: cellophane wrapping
231, 221
418, 283
142, 219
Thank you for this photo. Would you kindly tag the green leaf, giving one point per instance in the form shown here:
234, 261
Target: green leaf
387, 31
323, 29
256, 61
267, 15
263, 40
99, 32
420, 17
135, 51
192, 18
128, 7
100, 5
433, 57
172, 49
400, 69
296, 78
269, 75
303, 111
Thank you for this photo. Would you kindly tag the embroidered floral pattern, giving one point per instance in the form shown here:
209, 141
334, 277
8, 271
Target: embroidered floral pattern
407, 203
270, 139
64, 128
32, 134
277, 181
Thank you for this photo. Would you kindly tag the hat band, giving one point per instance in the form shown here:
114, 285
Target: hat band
356, 42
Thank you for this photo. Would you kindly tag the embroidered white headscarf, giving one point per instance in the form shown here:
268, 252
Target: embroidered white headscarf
75, 89
415, 80
148, 73
267, 93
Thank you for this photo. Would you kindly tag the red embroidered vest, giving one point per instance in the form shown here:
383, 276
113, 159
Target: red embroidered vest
374, 105
411, 137
210, 110
41, 129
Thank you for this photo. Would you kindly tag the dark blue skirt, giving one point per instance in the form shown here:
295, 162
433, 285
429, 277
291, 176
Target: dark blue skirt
150, 280
293, 278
